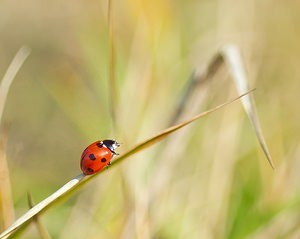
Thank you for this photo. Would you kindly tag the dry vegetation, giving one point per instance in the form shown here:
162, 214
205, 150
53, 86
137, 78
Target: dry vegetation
211, 179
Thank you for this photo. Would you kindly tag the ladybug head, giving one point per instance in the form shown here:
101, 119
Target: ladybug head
111, 145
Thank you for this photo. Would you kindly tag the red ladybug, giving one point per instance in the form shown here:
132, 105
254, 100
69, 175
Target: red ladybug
98, 155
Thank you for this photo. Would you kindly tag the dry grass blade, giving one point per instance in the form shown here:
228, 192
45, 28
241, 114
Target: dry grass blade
10, 74
230, 55
155, 139
42, 205
147, 143
233, 58
111, 65
42, 230
7, 209
78, 181
189, 88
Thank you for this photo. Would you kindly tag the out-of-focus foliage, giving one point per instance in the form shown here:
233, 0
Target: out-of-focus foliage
208, 181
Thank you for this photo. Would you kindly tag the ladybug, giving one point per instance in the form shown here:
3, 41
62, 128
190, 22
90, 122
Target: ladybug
98, 155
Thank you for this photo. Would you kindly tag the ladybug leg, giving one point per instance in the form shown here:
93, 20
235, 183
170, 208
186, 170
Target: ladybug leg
109, 163
114, 153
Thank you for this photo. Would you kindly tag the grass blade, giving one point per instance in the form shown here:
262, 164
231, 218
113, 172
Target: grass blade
42, 230
147, 143
10, 74
41, 206
111, 65
156, 138
233, 58
7, 209
79, 180
230, 55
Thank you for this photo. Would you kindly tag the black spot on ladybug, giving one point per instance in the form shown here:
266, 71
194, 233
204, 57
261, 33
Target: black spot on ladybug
92, 157
90, 170
103, 160
99, 145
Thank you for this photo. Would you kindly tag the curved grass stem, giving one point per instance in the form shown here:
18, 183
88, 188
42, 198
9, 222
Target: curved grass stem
79, 180
6, 206
41, 206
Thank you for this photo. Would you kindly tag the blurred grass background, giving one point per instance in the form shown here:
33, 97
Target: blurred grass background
210, 180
